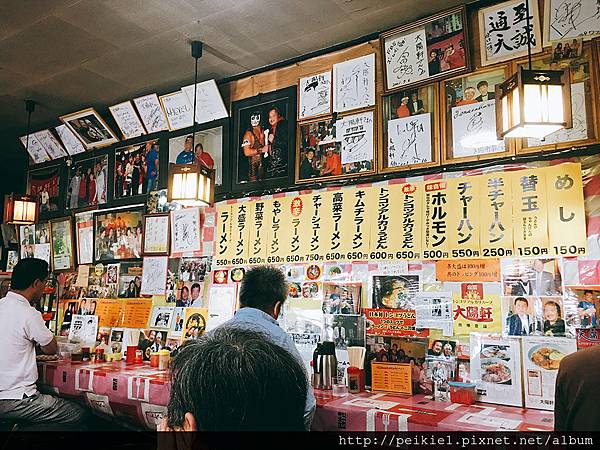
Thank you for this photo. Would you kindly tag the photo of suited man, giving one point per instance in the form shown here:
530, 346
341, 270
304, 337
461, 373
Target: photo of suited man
484, 94
415, 105
519, 322
543, 281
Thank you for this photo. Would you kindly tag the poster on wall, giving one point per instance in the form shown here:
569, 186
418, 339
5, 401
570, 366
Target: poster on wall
496, 368
84, 237
45, 183
354, 83
503, 31
177, 109
356, 136
185, 231
87, 183
151, 113
127, 120
69, 140
429, 49
209, 103
541, 360
90, 128
136, 169
264, 137
434, 310
314, 95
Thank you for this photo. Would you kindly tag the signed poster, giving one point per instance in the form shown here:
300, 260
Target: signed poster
354, 84
185, 230
314, 95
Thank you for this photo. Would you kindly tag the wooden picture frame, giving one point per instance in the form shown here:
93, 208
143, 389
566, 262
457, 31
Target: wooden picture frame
319, 136
107, 244
127, 119
277, 169
90, 128
320, 102
584, 100
162, 236
178, 111
496, 36
452, 97
61, 236
396, 52
395, 108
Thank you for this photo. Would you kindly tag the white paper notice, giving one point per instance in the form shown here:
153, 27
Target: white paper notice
434, 310
356, 135
220, 306
409, 140
153, 414
127, 119
83, 329
154, 275
495, 423
151, 113
35, 149
354, 83
185, 230
69, 140
83, 274
314, 95
474, 130
209, 103
405, 59
579, 130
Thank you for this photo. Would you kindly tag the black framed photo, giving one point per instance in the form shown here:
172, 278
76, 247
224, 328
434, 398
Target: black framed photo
264, 140
118, 234
45, 182
87, 183
136, 169
210, 149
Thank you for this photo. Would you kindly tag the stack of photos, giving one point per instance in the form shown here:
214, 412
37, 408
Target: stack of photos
35, 241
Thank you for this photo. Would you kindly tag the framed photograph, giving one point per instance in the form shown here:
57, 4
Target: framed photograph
151, 113
211, 149
354, 84
127, 120
87, 183
394, 291
177, 109
118, 234
45, 183
319, 154
90, 128
469, 118
136, 169
70, 141
342, 298
185, 231
209, 103
585, 131
264, 138
570, 20
503, 31
314, 95
35, 241
410, 128
427, 50
34, 147
11, 260
157, 234
51, 144
84, 237
61, 233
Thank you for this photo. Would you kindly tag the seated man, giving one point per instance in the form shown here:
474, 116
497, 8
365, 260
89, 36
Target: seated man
262, 294
21, 330
235, 380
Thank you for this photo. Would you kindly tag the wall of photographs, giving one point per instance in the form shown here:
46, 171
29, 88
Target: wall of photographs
412, 107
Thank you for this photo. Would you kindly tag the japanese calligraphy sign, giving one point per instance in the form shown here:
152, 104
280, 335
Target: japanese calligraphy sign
495, 209
566, 212
531, 212
435, 220
410, 140
468, 269
504, 30
530, 216
476, 307
422, 51
463, 222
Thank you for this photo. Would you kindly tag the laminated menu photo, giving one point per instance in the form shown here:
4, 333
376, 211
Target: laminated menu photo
496, 369
541, 360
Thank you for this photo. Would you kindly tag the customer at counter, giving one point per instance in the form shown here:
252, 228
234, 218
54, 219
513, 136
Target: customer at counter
262, 293
22, 329
235, 380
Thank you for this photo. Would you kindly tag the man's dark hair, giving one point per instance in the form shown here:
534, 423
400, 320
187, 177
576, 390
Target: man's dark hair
237, 380
262, 287
27, 271
521, 299
588, 292
195, 286
482, 83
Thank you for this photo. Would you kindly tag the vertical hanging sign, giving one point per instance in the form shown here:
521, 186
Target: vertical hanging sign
224, 240
463, 212
496, 219
260, 214
435, 220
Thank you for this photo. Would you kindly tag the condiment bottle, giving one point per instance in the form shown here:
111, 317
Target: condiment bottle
163, 359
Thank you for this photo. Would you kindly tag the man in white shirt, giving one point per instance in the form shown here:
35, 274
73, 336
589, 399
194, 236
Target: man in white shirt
21, 330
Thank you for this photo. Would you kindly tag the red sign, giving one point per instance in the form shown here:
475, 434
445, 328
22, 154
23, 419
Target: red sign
587, 337
393, 322
471, 291
296, 206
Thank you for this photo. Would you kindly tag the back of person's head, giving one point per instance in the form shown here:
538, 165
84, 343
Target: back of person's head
237, 380
27, 271
262, 287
